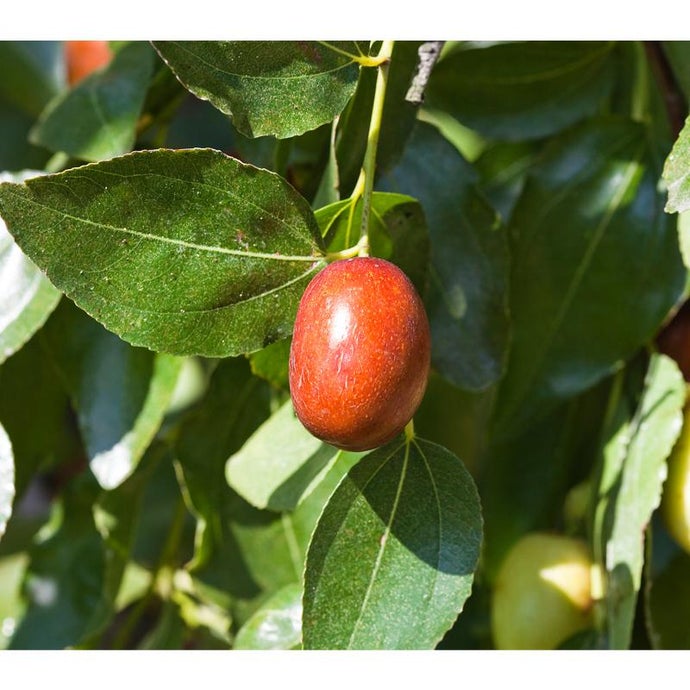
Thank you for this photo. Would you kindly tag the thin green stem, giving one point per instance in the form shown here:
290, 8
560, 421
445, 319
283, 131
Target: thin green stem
363, 60
369, 164
409, 431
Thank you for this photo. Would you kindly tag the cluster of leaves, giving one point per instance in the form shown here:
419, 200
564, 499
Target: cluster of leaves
163, 219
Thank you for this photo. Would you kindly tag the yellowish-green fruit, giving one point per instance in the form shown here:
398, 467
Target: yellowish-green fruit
543, 593
675, 503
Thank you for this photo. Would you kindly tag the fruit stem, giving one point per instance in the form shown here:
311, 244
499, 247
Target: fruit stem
348, 253
365, 183
409, 431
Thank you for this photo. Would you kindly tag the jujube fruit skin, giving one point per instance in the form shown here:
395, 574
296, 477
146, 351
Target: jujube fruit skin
360, 353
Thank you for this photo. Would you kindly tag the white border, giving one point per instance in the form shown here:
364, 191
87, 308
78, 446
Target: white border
352, 19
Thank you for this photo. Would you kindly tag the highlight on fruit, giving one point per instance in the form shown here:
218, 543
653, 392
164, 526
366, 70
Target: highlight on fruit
360, 353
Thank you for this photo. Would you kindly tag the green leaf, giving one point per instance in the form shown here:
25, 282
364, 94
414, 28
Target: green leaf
243, 554
234, 406
6, 480
596, 268
397, 232
120, 393
187, 252
117, 514
467, 297
65, 577
36, 413
639, 439
524, 90
32, 73
677, 173
281, 88
277, 624
164, 512
272, 363
280, 463
97, 119
26, 296
392, 559
502, 169
16, 153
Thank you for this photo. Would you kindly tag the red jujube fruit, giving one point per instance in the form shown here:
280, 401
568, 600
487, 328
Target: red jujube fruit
360, 354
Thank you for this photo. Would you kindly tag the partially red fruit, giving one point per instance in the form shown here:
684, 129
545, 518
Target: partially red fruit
84, 57
360, 354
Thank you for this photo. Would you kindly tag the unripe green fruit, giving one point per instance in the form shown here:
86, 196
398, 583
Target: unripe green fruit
675, 502
360, 353
543, 593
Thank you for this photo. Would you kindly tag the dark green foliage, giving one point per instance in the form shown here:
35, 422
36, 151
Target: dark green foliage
161, 220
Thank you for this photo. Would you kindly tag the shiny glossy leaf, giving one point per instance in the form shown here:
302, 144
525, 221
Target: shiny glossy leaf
392, 559
277, 624
281, 88
26, 296
97, 119
187, 252
6, 480
280, 463
120, 393
596, 268
677, 173
467, 296
523, 90
639, 440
